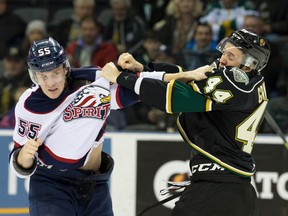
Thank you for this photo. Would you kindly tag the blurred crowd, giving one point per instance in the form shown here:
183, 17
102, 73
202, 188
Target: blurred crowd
183, 32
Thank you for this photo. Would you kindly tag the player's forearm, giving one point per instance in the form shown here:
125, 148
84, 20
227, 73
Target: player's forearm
152, 88
174, 76
197, 74
139, 66
163, 76
181, 76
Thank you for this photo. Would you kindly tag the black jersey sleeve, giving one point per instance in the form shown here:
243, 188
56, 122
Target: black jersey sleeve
172, 97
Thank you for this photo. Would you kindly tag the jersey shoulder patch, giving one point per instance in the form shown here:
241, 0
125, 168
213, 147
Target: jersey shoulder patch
239, 75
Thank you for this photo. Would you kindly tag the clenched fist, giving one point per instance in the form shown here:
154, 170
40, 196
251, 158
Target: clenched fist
26, 154
110, 72
127, 61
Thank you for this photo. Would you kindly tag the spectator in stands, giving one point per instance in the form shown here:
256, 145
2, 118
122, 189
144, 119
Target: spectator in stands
125, 29
202, 40
201, 50
153, 119
151, 11
12, 27
274, 72
140, 116
150, 47
30, 3
90, 49
35, 30
278, 108
180, 23
165, 54
68, 30
8, 120
225, 16
274, 16
13, 75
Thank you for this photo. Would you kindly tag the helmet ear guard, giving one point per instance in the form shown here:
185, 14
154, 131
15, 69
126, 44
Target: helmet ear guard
251, 62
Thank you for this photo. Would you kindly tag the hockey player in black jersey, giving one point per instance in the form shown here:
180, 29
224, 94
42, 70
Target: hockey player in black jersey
219, 119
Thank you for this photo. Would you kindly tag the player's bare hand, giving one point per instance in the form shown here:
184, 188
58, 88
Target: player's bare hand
110, 72
26, 154
127, 61
198, 74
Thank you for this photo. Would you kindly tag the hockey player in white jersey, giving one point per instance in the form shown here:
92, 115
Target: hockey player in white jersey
58, 136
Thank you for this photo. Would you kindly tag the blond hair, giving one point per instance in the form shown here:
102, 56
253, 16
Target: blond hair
173, 8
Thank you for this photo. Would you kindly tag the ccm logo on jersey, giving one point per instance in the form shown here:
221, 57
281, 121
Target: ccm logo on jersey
91, 102
206, 167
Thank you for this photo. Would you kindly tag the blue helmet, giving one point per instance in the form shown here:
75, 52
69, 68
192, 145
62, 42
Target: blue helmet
45, 55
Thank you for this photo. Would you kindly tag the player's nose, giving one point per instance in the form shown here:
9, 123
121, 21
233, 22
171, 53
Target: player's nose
50, 82
223, 61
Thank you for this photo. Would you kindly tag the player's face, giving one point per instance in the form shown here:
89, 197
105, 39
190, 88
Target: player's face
52, 82
231, 56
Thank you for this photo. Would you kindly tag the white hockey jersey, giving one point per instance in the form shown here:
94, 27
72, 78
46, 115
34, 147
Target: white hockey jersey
71, 125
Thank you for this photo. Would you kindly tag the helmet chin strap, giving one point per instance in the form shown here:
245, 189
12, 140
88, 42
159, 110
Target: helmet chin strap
241, 66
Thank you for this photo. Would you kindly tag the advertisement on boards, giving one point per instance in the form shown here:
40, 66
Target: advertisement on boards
13, 190
160, 162
145, 162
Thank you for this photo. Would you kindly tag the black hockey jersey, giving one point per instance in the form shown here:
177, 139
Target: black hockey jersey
220, 115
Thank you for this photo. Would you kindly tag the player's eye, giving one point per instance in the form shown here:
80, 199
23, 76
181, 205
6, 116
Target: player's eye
55, 74
229, 55
43, 77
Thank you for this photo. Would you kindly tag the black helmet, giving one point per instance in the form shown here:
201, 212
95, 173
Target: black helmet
45, 55
255, 47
